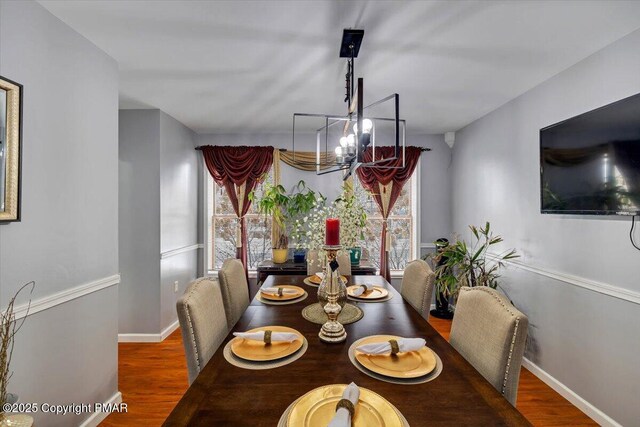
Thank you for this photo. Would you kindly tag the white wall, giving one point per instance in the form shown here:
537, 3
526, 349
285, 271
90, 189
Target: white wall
586, 339
69, 229
158, 218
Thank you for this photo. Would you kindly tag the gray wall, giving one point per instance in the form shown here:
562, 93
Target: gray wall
68, 233
586, 340
178, 212
139, 226
158, 200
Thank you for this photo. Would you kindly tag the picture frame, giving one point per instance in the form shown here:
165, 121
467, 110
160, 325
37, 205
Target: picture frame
10, 149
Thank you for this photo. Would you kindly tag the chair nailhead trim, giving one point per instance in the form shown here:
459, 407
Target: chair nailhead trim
513, 337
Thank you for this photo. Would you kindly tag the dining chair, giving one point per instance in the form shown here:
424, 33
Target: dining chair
235, 290
202, 322
314, 266
490, 333
417, 286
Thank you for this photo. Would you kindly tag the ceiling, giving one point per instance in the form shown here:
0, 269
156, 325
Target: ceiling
247, 66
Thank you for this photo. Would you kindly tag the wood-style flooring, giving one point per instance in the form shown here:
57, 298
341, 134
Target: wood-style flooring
153, 378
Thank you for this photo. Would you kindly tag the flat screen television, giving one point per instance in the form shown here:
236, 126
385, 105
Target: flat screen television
590, 164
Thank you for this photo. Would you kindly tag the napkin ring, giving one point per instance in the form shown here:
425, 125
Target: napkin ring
364, 287
395, 348
267, 337
346, 404
280, 292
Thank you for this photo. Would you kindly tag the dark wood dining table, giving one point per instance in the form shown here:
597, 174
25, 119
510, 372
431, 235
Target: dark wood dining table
225, 395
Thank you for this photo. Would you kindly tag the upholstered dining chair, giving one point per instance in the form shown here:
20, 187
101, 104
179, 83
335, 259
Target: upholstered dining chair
417, 286
202, 322
490, 333
235, 290
314, 266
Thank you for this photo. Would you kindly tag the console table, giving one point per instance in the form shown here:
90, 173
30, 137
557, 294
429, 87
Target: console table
267, 268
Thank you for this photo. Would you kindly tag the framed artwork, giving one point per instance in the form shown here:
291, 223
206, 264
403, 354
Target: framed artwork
10, 145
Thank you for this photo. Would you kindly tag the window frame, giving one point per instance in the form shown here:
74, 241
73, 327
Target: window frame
414, 218
210, 188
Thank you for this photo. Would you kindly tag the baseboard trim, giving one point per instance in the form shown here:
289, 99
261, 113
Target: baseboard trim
150, 337
581, 282
97, 417
596, 414
62, 297
181, 250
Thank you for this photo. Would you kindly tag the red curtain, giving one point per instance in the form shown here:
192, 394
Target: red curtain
238, 170
385, 184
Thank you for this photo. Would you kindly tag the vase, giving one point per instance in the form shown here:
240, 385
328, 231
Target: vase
355, 254
280, 255
299, 255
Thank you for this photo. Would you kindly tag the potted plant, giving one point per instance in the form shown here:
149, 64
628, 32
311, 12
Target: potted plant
284, 209
301, 200
460, 264
353, 220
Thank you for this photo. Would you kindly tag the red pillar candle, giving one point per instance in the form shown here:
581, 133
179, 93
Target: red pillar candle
333, 232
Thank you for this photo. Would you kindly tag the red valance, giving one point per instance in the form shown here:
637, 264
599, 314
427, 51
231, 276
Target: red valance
385, 184
238, 170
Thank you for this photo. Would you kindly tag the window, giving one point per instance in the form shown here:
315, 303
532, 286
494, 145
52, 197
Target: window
402, 226
223, 223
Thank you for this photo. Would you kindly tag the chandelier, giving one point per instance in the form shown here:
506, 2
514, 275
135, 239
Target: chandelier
345, 142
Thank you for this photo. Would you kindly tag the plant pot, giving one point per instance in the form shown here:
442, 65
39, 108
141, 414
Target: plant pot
280, 255
355, 254
299, 255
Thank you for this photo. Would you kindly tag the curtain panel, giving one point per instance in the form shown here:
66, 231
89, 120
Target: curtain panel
239, 170
385, 184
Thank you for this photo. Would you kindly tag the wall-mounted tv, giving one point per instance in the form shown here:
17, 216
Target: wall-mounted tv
590, 164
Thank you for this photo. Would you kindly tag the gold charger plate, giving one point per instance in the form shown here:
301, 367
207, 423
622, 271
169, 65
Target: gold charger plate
375, 293
258, 351
284, 297
317, 408
316, 280
412, 364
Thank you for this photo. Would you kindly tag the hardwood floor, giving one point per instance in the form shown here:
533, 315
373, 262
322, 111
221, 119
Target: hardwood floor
153, 378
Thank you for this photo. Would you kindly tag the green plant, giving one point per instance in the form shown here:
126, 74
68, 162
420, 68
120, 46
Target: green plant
353, 217
286, 209
470, 265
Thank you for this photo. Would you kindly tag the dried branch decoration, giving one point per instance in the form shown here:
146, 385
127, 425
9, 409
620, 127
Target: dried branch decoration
8, 330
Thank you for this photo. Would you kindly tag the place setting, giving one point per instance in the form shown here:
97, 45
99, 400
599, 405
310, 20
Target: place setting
395, 359
266, 347
281, 295
368, 293
316, 279
342, 405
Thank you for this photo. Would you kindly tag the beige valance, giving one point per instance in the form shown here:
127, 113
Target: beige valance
306, 160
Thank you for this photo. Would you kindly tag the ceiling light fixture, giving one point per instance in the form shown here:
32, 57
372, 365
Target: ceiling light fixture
351, 135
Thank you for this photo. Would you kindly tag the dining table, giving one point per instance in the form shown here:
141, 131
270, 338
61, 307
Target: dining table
226, 395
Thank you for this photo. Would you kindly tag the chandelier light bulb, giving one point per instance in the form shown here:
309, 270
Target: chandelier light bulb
351, 140
338, 151
343, 141
367, 125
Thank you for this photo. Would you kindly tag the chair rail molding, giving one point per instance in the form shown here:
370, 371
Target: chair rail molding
62, 297
178, 251
592, 285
